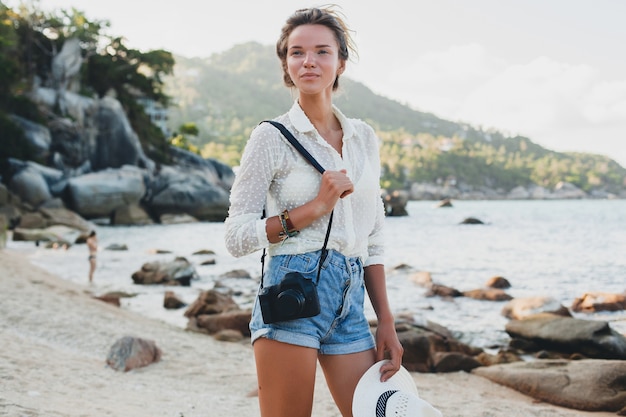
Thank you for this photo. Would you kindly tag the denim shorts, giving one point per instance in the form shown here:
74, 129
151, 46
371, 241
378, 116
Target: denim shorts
341, 326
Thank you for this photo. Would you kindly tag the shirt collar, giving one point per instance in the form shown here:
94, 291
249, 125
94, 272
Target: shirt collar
302, 124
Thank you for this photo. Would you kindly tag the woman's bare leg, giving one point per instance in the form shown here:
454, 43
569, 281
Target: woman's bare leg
342, 373
286, 376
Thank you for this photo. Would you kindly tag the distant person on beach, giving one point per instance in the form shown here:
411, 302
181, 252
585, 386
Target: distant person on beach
281, 204
92, 246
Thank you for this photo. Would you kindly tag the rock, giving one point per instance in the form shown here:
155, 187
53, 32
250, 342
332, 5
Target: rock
472, 220
453, 362
498, 282
116, 142
31, 186
211, 302
55, 234
37, 136
446, 202
181, 190
503, 356
131, 352
591, 338
65, 217
422, 278
599, 301
589, 385
518, 193
109, 299
98, 194
236, 273
395, 203
172, 302
238, 320
130, 214
443, 291
566, 190
520, 308
429, 347
204, 252
32, 221
177, 272
117, 247
488, 294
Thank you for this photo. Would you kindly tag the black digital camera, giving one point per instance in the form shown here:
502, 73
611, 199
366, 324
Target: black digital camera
293, 298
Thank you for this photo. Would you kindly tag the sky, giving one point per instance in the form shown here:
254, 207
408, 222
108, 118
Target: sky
550, 70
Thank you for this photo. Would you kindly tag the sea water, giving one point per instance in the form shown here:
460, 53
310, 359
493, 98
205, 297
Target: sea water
560, 249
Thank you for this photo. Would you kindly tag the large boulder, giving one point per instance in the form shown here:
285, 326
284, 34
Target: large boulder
30, 186
187, 191
98, 194
520, 308
591, 338
37, 136
589, 385
117, 144
177, 272
429, 347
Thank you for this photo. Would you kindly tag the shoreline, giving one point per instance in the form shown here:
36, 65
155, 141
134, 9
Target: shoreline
56, 337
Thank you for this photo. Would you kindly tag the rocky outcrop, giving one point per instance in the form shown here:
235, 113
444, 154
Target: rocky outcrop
429, 347
98, 194
216, 313
589, 385
459, 191
395, 203
520, 308
177, 272
589, 338
593, 302
95, 165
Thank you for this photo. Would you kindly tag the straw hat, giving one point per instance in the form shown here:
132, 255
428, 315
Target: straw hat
396, 397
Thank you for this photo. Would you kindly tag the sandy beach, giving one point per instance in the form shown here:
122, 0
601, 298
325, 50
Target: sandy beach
55, 338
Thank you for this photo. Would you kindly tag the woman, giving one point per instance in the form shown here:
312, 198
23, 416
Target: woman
313, 49
92, 246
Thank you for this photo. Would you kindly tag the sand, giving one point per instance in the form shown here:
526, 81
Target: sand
54, 339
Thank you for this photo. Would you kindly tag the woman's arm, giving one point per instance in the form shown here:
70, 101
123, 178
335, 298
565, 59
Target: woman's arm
386, 337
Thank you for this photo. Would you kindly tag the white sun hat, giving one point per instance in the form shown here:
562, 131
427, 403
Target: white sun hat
397, 397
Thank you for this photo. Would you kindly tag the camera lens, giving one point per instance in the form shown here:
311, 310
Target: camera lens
290, 302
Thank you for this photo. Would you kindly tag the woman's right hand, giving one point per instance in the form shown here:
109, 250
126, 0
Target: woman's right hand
335, 185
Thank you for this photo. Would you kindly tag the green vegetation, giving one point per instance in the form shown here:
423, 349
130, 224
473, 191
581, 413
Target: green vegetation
31, 38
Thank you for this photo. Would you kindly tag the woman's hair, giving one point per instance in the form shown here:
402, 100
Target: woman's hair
315, 16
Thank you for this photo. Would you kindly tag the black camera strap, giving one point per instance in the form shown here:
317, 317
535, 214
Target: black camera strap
296, 144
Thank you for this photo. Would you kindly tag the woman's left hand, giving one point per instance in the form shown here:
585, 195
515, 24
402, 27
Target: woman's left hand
387, 342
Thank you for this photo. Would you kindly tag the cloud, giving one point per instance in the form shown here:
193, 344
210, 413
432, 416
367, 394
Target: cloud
561, 106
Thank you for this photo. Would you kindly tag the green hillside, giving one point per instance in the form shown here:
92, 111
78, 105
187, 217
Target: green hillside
227, 94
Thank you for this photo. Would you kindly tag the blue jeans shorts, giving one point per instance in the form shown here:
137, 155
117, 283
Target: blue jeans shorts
341, 326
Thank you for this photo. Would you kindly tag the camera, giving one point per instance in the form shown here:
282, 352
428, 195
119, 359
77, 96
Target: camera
293, 298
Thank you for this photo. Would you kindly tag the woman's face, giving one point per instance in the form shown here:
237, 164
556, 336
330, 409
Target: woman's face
313, 58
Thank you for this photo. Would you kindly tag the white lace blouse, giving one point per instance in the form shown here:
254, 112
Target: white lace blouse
273, 175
